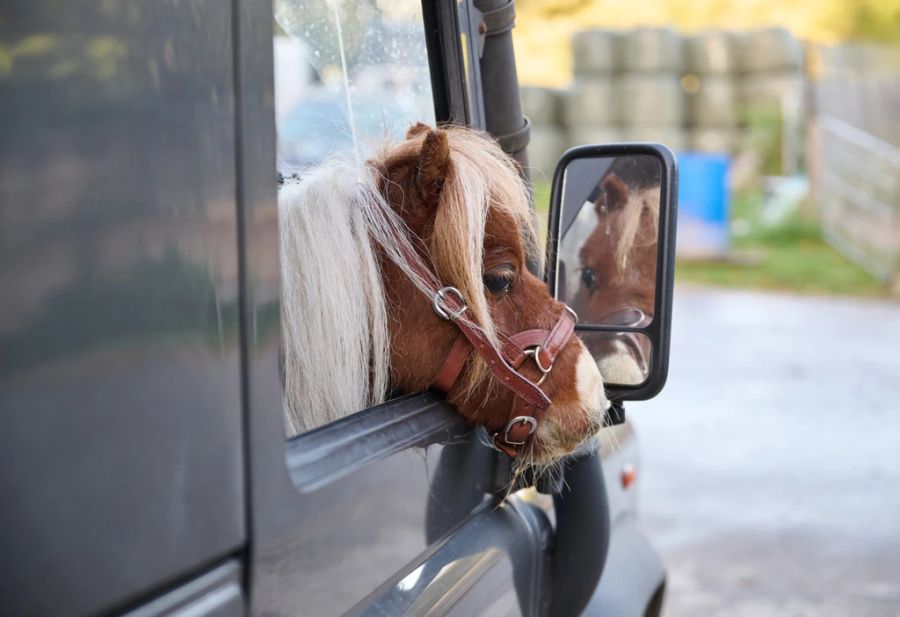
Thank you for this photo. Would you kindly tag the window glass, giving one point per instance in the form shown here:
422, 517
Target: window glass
347, 75
468, 23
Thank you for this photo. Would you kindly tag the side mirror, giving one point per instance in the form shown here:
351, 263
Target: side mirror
611, 257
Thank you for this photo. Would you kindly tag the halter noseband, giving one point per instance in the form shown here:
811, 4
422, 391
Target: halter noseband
542, 346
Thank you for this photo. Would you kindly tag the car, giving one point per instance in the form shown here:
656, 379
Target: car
145, 469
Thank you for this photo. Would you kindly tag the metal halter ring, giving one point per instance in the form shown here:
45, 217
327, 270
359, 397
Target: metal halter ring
571, 312
535, 353
532, 426
442, 311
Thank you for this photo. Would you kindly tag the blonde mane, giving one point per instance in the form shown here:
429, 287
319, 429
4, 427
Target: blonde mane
334, 222
631, 230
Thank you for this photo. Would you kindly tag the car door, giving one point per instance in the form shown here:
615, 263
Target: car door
121, 443
394, 509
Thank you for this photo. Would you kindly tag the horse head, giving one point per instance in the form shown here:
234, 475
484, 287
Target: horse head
426, 246
617, 274
467, 207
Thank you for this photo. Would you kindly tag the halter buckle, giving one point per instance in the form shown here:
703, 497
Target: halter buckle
535, 353
532, 426
437, 303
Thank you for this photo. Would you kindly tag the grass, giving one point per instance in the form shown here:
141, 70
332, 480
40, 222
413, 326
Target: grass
541, 189
790, 256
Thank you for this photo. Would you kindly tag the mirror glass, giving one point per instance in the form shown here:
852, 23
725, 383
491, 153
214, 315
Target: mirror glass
609, 231
609, 236
622, 357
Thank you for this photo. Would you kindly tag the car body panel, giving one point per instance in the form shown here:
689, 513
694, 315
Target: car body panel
121, 446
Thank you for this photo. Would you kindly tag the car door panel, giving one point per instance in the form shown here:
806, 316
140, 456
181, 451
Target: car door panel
403, 483
121, 444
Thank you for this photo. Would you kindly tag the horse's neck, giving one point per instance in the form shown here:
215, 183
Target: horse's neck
334, 320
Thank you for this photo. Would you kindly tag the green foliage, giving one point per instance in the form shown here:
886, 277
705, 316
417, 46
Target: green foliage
788, 256
867, 20
763, 135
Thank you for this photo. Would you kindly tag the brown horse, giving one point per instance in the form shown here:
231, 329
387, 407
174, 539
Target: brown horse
617, 274
369, 254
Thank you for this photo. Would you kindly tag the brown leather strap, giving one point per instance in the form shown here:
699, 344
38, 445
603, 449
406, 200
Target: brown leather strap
551, 343
558, 338
449, 372
527, 410
507, 375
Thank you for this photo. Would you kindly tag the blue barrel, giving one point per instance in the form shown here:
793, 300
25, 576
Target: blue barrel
704, 204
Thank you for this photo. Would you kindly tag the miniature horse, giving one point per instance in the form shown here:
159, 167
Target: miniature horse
617, 280
369, 252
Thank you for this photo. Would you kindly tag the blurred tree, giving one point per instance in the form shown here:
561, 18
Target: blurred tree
545, 26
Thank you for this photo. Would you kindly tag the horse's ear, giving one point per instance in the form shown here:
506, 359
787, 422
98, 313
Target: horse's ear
615, 192
416, 129
434, 163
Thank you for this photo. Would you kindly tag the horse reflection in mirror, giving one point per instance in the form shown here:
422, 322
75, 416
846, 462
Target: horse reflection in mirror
357, 312
616, 278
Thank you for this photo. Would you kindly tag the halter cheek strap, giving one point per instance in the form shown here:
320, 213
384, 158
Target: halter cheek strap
542, 346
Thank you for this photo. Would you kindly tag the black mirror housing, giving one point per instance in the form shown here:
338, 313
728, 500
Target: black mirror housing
611, 258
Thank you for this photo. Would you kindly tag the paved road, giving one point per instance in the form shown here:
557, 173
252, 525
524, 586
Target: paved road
771, 476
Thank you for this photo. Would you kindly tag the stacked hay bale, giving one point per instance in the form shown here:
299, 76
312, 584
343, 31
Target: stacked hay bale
712, 92
591, 107
543, 106
718, 92
651, 99
772, 86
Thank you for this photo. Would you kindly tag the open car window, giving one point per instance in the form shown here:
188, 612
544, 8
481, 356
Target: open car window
348, 77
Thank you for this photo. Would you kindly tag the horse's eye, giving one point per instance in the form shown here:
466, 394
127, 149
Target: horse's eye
499, 280
588, 278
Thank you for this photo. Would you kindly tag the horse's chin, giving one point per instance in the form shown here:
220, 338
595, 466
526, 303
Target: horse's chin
621, 367
555, 442
568, 426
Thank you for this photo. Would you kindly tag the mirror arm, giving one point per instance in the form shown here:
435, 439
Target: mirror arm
615, 414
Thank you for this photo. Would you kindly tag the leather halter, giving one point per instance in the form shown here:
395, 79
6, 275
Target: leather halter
542, 346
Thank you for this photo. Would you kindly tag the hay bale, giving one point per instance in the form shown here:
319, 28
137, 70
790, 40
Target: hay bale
580, 135
596, 52
714, 140
770, 49
546, 146
669, 135
714, 102
653, 50
542, 105
650, 99
591, 102
713, 52
771, 89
